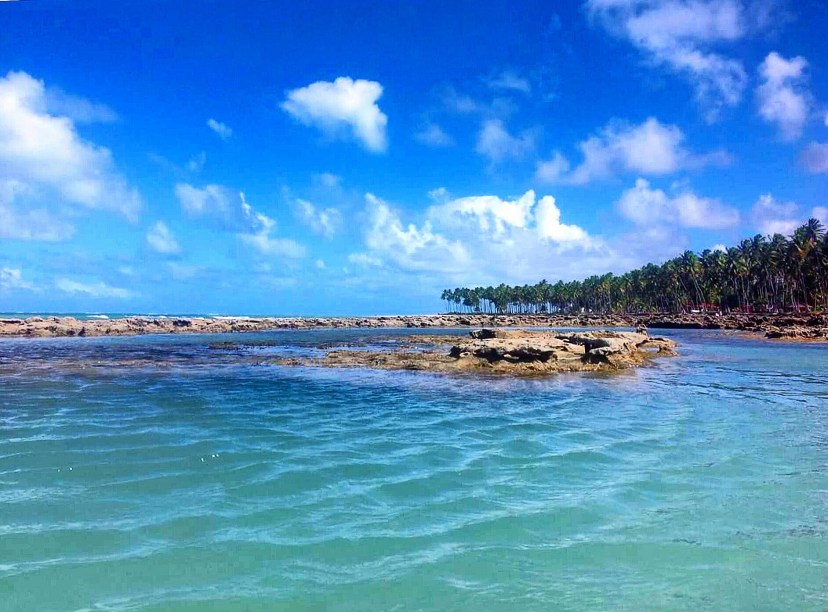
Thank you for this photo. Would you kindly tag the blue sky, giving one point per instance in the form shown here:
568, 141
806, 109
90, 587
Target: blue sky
320, 157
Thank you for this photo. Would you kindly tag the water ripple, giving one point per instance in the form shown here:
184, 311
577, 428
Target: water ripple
208, 482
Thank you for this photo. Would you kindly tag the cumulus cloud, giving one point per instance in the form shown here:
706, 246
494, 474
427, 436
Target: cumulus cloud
161, 240
44, 160
815, 157
345, 106
496, 143
221, 129
230, 211
783, 99
97, 289
645, 206
549, 226
680, 35
479, 239
773, 217
432, 135
413, 247
12, 278
650, 148
325, 222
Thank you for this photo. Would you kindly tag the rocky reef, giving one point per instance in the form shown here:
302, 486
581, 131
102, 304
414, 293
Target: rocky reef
805, 327
513, 352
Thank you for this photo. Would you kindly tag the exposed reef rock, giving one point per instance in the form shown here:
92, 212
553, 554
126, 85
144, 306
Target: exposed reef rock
812, 327
514, 352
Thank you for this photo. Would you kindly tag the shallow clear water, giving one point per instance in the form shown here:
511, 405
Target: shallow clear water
211, 483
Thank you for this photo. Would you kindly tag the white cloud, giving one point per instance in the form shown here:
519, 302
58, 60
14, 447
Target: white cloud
209, 201
782, 97
650, 148
43, 160
258, 236
510, 80
433, 135
410, 246
679, 35
646, 207
12, 278
439, 195
31, 224
96, 290
494, 218
365, 260
815, 157
489, 213
772, 217
345, 105
322, 221
482, 239
320, 264
44, 154
181, 271
708, 213
231, 212
552, 170
328, 180
79, 110
495, 142
223, 130
549, 226
459, 103
161, 239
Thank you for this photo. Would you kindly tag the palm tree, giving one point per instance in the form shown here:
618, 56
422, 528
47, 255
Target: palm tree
760, 273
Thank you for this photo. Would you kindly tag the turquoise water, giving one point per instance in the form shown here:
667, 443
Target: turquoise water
158, 473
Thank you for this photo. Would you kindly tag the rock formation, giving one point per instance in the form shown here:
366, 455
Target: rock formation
803, 327
515, 352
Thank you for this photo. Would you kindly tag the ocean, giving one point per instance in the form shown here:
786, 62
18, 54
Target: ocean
176, 473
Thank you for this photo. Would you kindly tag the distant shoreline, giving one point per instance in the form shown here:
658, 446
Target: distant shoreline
803, 327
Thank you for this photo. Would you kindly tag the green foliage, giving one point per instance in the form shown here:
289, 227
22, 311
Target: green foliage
761, 274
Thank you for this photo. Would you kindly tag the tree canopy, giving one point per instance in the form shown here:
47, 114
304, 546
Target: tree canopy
761, 274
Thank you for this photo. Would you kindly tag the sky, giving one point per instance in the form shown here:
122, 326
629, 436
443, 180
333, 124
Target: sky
308, 158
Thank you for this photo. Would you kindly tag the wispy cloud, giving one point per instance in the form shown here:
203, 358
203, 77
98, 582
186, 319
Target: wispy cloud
221, 129
97, 289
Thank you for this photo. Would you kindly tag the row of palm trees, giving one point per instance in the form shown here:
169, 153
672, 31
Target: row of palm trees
761, 274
